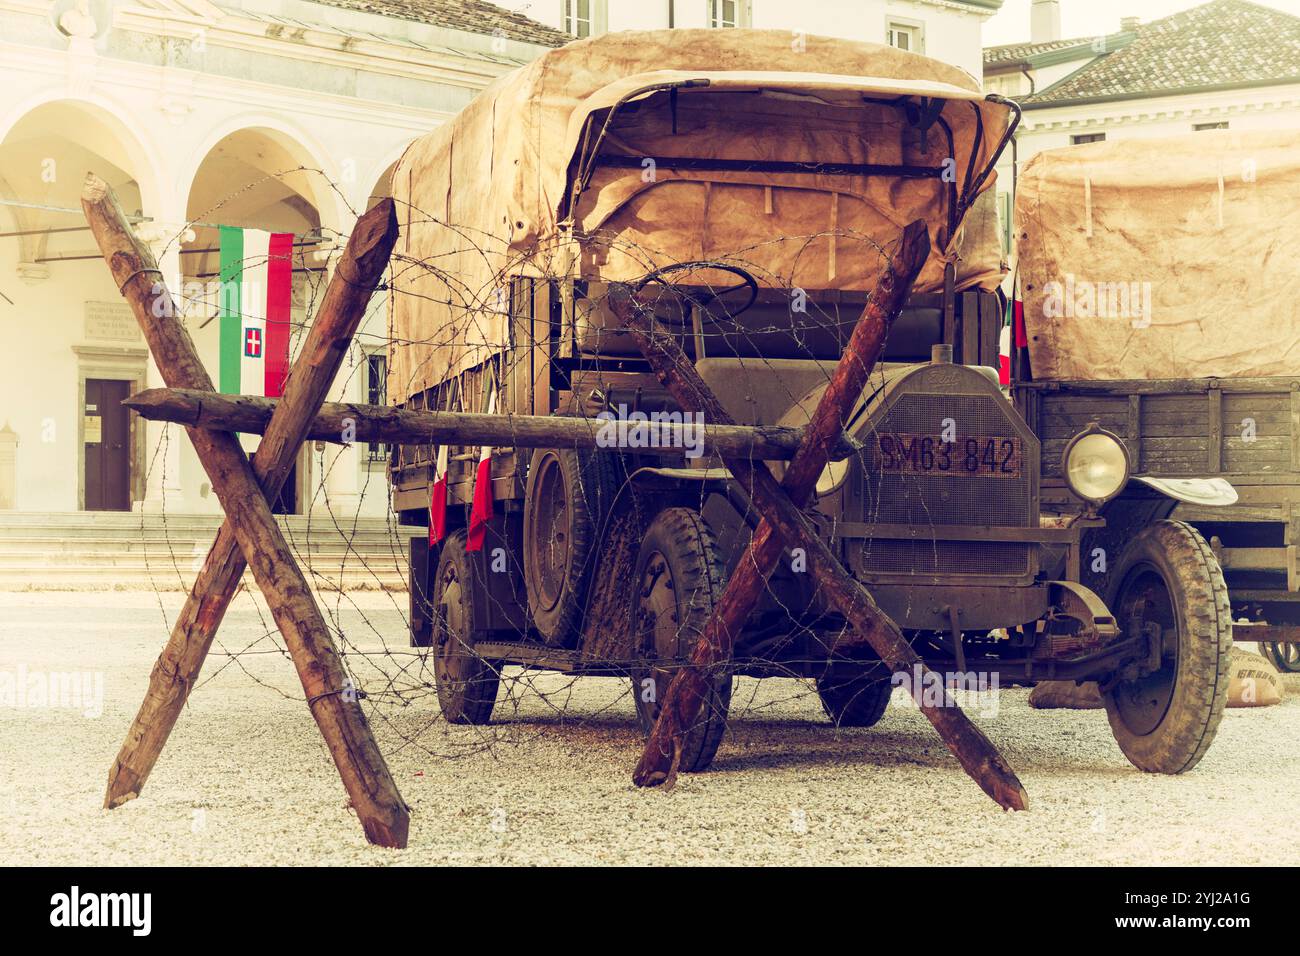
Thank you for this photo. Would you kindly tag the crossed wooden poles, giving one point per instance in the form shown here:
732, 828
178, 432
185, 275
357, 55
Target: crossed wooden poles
784, 525
250, 537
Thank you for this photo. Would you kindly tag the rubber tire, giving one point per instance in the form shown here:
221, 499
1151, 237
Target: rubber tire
467, 696
1281, 657
854, 701
589, 487
1183, 559
694, 567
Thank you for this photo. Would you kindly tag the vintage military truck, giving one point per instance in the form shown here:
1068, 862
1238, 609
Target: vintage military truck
1159, 287
757, 196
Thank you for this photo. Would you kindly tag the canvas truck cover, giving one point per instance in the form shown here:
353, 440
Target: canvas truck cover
1162, 258
490, 194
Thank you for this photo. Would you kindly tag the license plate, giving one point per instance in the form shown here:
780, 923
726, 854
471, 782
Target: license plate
971, 456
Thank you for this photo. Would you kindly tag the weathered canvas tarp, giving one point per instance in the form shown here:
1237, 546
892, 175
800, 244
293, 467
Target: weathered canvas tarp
1162, 258
486, 195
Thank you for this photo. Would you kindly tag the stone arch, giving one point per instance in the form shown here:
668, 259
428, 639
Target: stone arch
74, 344
47, 145
258, 172
378, 182
287, 148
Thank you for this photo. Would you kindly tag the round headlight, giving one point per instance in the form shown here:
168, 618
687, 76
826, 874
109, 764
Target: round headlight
832, 477
1095, 464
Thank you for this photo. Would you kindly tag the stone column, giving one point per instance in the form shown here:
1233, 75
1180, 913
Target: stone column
341, 464
164, 490
8, 468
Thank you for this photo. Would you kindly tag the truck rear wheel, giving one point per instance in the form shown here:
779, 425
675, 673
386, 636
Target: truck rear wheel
567, 493
467, 684
678, 579
1170, 583
854, 701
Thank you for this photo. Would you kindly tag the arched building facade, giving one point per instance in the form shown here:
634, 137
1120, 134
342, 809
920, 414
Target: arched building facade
276, 115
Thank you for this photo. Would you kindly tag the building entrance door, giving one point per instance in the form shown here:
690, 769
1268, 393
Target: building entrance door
107, 437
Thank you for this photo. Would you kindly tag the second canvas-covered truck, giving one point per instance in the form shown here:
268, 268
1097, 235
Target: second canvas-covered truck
756, 185
1162, 301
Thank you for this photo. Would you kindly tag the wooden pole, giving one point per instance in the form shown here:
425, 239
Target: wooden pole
973, 750
337, 422
783, 521
250, 527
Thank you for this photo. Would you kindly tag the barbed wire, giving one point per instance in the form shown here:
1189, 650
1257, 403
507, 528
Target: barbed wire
396, 678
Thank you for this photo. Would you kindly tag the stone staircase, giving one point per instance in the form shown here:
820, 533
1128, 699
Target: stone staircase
129, 551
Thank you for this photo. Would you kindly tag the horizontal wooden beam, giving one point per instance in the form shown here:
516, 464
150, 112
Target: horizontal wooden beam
340, 423
1266, 633
1156, 386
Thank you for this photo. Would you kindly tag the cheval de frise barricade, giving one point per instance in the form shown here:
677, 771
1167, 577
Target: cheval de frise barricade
794, 277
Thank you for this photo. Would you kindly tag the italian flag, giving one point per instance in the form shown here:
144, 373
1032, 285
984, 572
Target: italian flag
1014, 336
438, 500
480, 512
255, 297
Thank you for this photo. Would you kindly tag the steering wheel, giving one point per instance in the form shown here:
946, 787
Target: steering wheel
703, 299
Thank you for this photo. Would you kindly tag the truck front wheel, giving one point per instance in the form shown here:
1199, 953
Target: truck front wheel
678, 579
1170, 587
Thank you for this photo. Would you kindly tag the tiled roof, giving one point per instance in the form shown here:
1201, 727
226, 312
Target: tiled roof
1019, 52
469, 16
1221, 43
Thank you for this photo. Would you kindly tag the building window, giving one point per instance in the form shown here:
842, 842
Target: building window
905, 35
728, 13
1006, 215
377, 394
1197, 127
580, 17
1078, 138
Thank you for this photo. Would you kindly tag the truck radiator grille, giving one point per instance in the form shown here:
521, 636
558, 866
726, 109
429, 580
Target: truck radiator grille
944, 557
937, 500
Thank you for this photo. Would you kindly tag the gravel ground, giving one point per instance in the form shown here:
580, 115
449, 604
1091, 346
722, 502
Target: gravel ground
246, 780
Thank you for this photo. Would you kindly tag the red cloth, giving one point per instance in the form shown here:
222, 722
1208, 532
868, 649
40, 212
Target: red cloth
438, 500
279, 304
481, 511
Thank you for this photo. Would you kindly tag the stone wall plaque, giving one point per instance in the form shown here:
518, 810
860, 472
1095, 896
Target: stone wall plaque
111, 322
